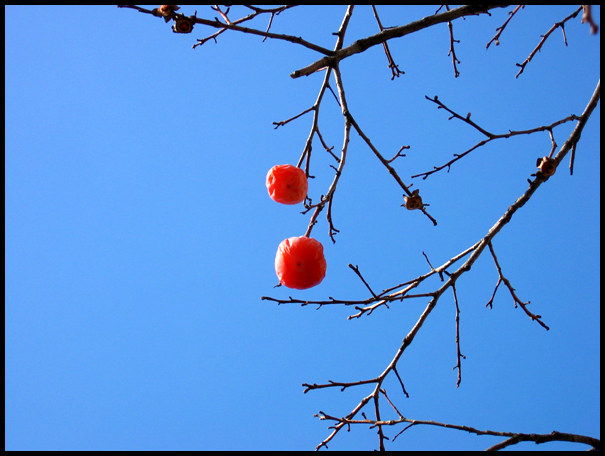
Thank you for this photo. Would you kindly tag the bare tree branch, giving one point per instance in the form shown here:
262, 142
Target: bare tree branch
453, 277
451, 270
490, 136
545, 37
233, 25
512, 437
502, 279
395, 32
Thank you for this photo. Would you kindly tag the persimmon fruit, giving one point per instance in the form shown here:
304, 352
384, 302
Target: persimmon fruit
300, 262
287, 184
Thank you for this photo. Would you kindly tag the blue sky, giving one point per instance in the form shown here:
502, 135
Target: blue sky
139, 236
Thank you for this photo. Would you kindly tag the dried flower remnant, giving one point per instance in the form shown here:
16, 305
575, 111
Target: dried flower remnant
166, 11
182, 25
546, 166
587, 18
413, 202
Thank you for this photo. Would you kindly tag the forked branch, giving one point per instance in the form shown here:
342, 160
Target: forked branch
560, 24
394, 32
489, 136
475, 252
512, 438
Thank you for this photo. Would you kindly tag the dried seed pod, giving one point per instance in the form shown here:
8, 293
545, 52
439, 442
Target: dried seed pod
413, 202
547, 166
182, 25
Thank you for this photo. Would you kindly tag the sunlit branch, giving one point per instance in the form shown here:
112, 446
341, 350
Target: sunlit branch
218, 24
512, 438
394, 32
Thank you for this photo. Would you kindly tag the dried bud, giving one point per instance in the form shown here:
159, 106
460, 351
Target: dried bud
413, 202
182, 25
547, 166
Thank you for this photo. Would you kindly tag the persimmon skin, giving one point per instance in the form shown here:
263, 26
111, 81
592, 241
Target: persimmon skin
300, 262
287, 184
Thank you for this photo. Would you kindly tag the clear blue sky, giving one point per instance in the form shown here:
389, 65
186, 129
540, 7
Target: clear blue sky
139, 236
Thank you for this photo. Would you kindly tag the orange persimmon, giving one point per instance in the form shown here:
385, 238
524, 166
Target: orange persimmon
300, 262
287, 184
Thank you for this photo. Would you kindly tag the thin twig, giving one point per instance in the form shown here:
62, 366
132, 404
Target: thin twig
545, 37
398, 154
386, 164
499, 30
395, 71
489, 136
329, 196
452, 51
459, 355
356, 270
398, 292
502, 279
